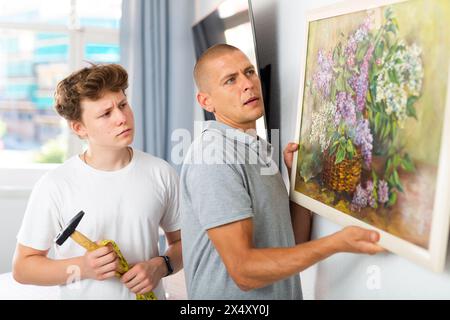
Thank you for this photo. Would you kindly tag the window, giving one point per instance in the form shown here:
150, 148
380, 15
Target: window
32, 11
41, 42
106, 13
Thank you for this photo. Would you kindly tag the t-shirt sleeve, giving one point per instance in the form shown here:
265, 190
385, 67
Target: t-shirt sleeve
218, 194
40, 224
170, 220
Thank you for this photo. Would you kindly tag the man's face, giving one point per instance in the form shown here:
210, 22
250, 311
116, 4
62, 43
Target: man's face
233, 90
107, 122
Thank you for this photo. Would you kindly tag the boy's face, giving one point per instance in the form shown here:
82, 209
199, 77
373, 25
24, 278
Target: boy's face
233, 91
107, 122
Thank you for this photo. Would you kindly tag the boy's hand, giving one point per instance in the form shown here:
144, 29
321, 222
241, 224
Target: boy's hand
145, 276
358, 240
100, 264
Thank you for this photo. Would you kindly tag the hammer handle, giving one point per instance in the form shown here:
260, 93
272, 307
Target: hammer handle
83, 241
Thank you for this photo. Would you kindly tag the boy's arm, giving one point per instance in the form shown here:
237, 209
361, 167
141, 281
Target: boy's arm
31, 266
174, 250
145, 276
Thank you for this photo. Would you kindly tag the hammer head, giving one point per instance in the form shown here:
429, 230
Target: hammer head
67, 231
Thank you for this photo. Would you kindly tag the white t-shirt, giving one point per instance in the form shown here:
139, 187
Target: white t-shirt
127, 206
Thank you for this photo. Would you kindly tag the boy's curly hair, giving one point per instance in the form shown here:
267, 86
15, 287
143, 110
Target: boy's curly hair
88, 83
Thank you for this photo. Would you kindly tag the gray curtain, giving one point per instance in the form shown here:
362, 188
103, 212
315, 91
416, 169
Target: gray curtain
157, 50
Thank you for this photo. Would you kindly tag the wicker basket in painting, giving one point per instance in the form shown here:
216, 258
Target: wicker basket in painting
342, 177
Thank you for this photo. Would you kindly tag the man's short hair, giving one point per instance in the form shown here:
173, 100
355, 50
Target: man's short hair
88, 83
213, 52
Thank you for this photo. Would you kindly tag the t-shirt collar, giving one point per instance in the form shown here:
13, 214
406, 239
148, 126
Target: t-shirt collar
256, 143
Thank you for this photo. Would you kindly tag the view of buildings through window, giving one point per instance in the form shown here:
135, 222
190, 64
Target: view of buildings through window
41, 42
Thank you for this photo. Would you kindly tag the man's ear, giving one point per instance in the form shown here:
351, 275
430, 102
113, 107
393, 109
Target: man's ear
78, 128
205, 102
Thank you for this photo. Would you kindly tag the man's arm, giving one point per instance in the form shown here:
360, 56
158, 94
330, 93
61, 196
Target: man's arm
301, 222
32, 266
253, 268
301, 217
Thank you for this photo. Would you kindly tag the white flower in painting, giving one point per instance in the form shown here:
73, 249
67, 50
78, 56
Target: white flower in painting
322, 125
414, 72
396, 102
402, 76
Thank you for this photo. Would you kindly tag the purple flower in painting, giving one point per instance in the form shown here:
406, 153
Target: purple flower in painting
364, 139
359, 199
323, 77
352, 45
350, 51
371, 201
346, 109
360, 82
363, 30
383, 192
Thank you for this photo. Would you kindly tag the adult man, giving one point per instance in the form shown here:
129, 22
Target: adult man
126, 195
238, 240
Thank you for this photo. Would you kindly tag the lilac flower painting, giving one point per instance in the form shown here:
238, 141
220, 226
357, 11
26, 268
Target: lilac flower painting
373, 113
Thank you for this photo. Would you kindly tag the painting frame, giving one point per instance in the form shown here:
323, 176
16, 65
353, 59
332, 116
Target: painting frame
434, 257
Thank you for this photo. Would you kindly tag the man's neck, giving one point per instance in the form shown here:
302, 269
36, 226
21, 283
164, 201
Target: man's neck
107, 159
248, 126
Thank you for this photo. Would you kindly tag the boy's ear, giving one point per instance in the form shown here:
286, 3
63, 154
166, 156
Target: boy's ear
205, 102
78, 128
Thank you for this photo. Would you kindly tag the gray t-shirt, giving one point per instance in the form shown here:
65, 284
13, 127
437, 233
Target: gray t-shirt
229, 176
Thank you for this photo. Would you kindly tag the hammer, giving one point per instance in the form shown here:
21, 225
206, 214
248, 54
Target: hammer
70, 231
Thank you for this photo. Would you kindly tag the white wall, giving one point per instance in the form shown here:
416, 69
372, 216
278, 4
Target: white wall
204, 7
343, 276
12, 206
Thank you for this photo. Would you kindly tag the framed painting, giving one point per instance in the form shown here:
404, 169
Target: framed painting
373, 122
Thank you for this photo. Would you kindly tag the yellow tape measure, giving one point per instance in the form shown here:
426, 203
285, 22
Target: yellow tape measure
124, 267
